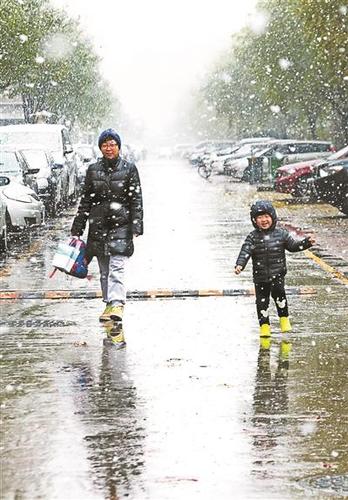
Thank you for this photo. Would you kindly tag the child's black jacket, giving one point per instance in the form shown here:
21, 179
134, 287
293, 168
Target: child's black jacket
267, 250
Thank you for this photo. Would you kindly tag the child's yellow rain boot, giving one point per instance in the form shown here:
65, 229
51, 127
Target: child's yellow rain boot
285, 325
285, 348
265, 330
265, 343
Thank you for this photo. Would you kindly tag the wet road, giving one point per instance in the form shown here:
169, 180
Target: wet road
194, 407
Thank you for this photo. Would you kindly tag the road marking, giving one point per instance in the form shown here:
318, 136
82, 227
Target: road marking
141, 294
337, 274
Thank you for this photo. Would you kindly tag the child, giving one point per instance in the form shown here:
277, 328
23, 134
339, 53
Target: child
266, 246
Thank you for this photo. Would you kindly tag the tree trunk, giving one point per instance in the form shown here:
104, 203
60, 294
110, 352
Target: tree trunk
312, 122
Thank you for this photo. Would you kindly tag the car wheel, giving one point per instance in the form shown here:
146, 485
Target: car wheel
52, 207
301, 190
75, 194
9, 225
204, 171
3, 241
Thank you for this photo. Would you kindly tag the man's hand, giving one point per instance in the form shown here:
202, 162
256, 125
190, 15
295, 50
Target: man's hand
74, 237
238, 269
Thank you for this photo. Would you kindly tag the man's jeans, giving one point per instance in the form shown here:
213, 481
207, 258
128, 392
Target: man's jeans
112, 271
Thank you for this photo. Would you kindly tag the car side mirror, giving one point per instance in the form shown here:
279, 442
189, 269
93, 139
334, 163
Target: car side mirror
279, 156
57, 166
32, 171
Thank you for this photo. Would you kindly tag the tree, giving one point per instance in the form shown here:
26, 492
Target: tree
291, 78
325, 32
46, 60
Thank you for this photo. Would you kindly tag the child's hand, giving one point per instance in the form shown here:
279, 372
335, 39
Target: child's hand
238, 269
311, 239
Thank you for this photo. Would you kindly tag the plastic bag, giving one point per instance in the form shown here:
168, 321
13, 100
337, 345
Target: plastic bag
70, 258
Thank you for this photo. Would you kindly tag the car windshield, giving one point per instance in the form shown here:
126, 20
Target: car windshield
342, 153
49, 138
248, 149
9, 165
36, 159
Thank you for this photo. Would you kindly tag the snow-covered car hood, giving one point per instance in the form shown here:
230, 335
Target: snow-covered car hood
291, 167
15, 188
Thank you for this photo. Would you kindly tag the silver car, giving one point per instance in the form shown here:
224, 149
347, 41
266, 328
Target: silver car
23, 206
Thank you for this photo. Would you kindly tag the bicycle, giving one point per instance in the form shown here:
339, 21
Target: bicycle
205, 170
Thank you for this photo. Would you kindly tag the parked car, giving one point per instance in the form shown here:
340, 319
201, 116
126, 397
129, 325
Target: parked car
239, 158
23, 206
208, 147
292, 178
87, 155
53, 138
14, 165
3, 225
49, 179
284, 150
330, 184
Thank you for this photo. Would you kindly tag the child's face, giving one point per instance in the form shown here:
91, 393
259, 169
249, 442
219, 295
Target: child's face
264, 221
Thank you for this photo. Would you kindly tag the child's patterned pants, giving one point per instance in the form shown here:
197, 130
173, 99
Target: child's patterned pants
274, 288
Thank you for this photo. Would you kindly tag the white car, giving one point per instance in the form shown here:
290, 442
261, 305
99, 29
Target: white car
23, 206
53, 138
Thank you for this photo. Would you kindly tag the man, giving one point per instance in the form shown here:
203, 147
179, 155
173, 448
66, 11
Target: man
112, 203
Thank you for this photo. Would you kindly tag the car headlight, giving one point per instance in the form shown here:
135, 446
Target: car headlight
23, 198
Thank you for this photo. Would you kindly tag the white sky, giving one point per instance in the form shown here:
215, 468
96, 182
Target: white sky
154, 50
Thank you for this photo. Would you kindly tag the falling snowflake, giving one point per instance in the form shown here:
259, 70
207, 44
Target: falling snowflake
258, 22
284, 63
275, 108
115, 206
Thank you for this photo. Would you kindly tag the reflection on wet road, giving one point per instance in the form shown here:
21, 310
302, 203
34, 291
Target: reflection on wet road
194, 407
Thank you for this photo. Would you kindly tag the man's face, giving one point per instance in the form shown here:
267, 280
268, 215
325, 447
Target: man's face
264, 221
110, 149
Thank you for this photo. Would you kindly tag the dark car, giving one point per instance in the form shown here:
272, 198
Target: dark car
292, 178
48, 179
330, 184
87, 155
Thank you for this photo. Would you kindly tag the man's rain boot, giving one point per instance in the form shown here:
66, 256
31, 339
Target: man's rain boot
116, 313
105, 316
285, 325
265, 330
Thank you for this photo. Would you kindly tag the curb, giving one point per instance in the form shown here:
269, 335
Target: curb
141, 294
